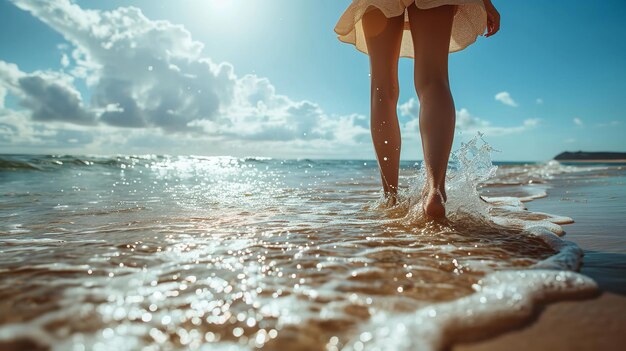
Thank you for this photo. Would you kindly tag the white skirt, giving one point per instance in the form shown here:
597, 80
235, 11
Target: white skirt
470, 21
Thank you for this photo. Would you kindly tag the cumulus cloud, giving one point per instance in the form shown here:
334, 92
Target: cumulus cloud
410, 108
152, 71
505, 98
147, 74
50, 101
259, 113
579, 122
466, 122
49, 96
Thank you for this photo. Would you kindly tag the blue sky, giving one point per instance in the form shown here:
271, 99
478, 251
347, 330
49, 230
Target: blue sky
269, 78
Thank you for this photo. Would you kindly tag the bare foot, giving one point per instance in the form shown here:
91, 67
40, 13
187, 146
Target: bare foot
433, 205
391, 199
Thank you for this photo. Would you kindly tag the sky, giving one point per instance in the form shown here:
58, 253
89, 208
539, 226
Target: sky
269, 78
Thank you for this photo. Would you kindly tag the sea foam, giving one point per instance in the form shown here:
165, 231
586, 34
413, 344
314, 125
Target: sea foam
502, 298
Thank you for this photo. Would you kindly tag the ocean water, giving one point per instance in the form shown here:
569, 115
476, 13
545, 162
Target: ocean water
222, 253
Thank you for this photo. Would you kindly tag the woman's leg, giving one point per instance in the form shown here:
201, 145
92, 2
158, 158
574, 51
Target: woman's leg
430, 30
383, 37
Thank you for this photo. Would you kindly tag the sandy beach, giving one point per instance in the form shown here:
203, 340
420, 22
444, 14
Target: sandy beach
595, 324
591, 324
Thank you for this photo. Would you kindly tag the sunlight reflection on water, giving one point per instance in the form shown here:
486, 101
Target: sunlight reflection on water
214, 253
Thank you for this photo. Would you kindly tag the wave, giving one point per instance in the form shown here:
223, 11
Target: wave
502, 298
12, 165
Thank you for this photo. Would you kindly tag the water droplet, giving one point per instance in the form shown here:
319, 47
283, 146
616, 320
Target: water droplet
261, 337
209, 337
358, 346
108, 333
237, 332
146, 317
365, 337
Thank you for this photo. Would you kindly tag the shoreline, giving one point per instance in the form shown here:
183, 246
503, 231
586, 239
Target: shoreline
596, 323
592, 161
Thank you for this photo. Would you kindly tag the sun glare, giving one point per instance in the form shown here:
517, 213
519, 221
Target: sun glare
214, 11
221, 5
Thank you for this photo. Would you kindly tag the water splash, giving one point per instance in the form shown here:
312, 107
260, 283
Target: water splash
502, 298
470, 166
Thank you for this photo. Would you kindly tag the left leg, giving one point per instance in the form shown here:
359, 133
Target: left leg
383, 38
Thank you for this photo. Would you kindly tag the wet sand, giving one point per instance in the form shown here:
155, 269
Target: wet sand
595, 324
598, 323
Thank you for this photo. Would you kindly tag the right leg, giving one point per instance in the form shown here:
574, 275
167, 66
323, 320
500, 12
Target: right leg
383, 38
430, 30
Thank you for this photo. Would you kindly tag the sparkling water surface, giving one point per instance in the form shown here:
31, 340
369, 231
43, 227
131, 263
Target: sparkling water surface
219, 253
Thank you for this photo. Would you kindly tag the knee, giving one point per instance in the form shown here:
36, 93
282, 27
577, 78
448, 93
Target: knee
431, 83
385, 92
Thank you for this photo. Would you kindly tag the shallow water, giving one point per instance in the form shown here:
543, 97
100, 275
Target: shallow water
219, 253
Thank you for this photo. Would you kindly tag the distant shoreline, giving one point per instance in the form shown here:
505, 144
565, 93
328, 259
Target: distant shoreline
593, 161
586, 156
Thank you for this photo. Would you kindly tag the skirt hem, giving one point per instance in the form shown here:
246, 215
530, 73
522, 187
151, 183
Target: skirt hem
470, 22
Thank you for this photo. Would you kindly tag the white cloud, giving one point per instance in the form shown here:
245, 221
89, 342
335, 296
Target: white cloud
152, 75
613, 123
465, 122
18, 133
3, 94
539, 101
410, 128
410, 108
505, 98
579, 122
114, 51
48, 95
65, 60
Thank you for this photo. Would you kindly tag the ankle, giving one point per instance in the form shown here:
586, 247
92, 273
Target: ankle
391, 198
